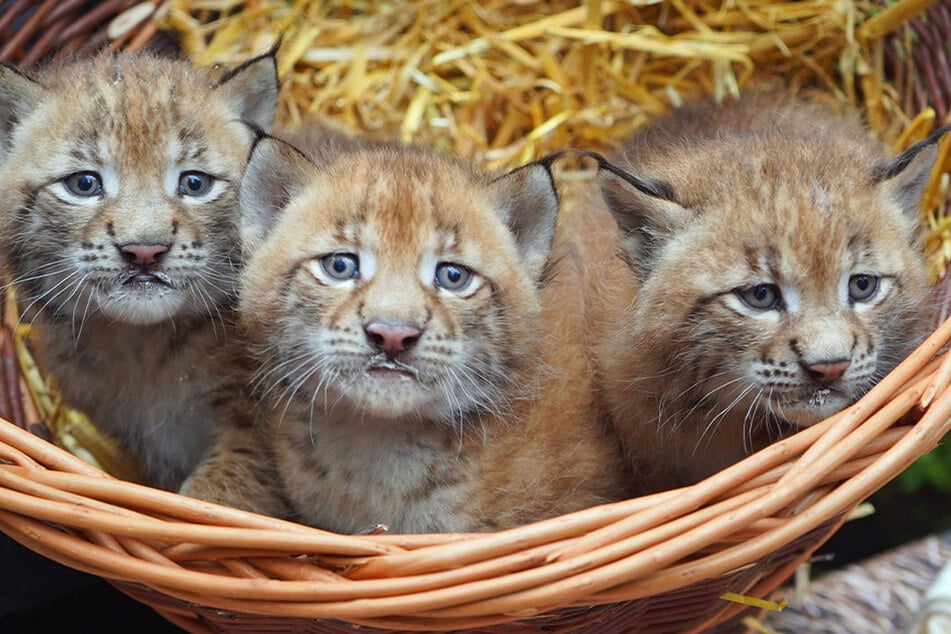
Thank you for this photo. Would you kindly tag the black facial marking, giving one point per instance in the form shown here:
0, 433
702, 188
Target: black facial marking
772, 260
794, 346
751, 254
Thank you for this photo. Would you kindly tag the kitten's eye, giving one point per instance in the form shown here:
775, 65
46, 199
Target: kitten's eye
862, 287
452, 277
761, 296
86, 184
195, 183
341, 266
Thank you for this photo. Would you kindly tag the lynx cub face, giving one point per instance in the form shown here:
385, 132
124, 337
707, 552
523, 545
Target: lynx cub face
118, 192
781, 275
390, 283
119, 175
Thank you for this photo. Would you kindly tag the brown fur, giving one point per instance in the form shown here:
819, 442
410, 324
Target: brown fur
488, 421
746, 200
137, 346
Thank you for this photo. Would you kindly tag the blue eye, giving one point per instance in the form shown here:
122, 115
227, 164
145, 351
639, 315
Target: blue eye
761, 296
452, 277
862, 287
85, 184
195, 183
341, 266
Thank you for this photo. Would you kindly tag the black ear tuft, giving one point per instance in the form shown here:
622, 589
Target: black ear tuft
251, 89
648, 186
905, 176
276, 172
894, 166
645, 209
529, 203
19, 95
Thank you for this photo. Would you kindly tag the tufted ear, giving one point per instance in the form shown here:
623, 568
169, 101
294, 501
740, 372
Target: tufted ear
904, 176
645, 210
251, 90
19, 95
529, 204
276, 172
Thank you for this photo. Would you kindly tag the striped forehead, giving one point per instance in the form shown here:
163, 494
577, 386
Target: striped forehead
134, 115
395, 234
810, 265
398, 203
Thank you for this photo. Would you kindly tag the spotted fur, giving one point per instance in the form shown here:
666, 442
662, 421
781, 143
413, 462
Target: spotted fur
402, 394
117, 195
779, 274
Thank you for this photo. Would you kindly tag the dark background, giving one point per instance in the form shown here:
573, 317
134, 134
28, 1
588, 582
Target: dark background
39, 596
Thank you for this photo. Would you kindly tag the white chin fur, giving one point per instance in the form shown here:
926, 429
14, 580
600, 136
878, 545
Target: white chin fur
806, 413
143, 309
399, 396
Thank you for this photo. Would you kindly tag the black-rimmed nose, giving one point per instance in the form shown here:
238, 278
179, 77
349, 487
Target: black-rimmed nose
827, 371
143, 254
392, 338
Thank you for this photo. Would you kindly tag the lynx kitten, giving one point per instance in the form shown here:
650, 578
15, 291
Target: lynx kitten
779, 261
118, 186
421, 368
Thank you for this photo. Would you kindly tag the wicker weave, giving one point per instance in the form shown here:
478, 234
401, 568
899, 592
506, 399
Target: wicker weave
657, 563
43, 32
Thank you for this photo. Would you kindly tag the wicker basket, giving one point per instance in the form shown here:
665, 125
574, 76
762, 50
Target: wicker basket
659, 563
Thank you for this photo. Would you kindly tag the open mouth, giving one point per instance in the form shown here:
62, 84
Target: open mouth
810, 407
145, 279
384, 366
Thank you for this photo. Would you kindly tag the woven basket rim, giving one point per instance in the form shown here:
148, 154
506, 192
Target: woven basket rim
58, 505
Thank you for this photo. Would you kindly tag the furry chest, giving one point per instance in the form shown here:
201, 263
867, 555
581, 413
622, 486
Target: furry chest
351, 478
153, 394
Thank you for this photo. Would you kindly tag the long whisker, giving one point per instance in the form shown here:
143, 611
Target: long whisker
53, 293
713, 423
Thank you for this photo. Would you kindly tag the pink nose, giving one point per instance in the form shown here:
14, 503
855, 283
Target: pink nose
392, 338
143, 254
826, 371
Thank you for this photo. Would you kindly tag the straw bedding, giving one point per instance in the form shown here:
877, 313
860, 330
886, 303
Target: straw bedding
502, 82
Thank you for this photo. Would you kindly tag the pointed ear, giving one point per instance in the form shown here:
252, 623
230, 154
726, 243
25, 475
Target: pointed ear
276, 173
19, 95
251, 90
645, 210
904, 176
529, 203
